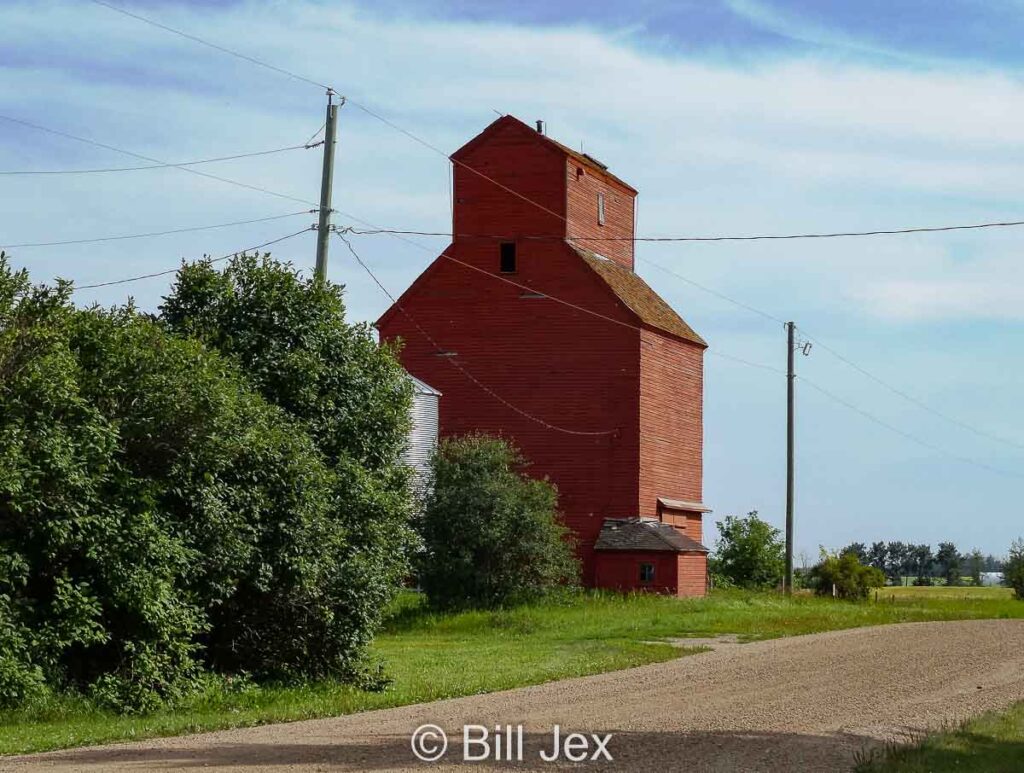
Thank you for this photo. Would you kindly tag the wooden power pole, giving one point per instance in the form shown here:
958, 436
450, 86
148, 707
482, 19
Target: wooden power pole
326, 184
790, 378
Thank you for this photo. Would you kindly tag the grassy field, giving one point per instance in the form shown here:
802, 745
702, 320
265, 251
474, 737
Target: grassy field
993, 743
964, 593
431, 656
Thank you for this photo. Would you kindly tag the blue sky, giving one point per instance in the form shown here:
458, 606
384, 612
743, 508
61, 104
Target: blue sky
732, 117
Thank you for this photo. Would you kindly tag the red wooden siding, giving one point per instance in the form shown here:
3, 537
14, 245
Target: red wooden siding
621, 571
671, 421
563, 366
583, 184
692, 578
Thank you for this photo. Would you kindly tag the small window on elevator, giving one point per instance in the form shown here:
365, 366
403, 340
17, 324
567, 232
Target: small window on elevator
600, 209
508, 257
646, 573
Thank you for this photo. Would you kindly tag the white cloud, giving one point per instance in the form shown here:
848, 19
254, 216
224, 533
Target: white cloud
761, 146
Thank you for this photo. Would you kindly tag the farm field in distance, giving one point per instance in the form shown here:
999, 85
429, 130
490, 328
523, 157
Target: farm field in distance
954, 592
434, 656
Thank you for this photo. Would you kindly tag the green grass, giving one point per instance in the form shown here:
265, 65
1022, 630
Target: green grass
992, 743
431, 656
967, 593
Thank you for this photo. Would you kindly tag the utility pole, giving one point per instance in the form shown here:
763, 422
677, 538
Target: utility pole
805, 348
790, 378
326, 184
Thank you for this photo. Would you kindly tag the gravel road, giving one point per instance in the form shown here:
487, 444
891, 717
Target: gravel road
806, 703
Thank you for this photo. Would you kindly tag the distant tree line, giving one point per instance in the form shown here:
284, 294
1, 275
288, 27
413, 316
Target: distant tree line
900, 561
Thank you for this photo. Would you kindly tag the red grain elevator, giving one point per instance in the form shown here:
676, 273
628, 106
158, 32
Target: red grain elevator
601, 389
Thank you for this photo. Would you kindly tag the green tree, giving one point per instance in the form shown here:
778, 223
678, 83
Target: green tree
975, 566
750, 552
845, 574
900, 561
859, 549
290, 337
923, 563
878, 556
1013, 569
491, 534
948, 561
160, 519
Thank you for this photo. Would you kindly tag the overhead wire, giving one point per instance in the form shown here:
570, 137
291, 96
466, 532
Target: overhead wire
306, 146
133, 154
913, 438
914, 400
228, 256
842, 358
723, 355
555, 298
207, 43
748, 238
459, 366
155, 233
421, 141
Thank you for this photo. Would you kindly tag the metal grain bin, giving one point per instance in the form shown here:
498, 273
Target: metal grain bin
423, 435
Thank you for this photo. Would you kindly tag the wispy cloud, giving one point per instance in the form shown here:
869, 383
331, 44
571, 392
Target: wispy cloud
799, 142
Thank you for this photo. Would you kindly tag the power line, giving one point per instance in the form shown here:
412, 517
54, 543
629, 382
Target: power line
863, 371
435, 149
911, 399
458, 365
907, 435
556, 299
750, 238
201, 41
115, 149
760, 366
716, 293
420, 140
175, 270
307, 146
155, 233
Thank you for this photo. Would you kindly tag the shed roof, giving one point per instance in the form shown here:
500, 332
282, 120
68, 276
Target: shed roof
422, 387
638, 296
645, 534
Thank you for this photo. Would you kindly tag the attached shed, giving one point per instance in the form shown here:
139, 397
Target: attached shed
423, 433
650, 555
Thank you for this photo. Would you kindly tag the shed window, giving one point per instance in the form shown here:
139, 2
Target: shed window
600, 209
508, 257
646, 572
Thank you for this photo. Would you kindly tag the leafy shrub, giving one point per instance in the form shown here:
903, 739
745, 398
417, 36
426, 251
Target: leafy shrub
159, 518
1013, 569
850, 578
491, 534
352, 397
749, 553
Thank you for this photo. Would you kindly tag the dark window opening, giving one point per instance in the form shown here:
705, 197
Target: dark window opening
646, 572
508, 257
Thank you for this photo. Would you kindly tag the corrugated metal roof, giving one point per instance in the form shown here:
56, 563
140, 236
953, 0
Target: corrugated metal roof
645, 534
638, 296
421, 387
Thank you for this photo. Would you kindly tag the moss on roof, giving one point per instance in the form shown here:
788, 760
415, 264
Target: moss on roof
638, 296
